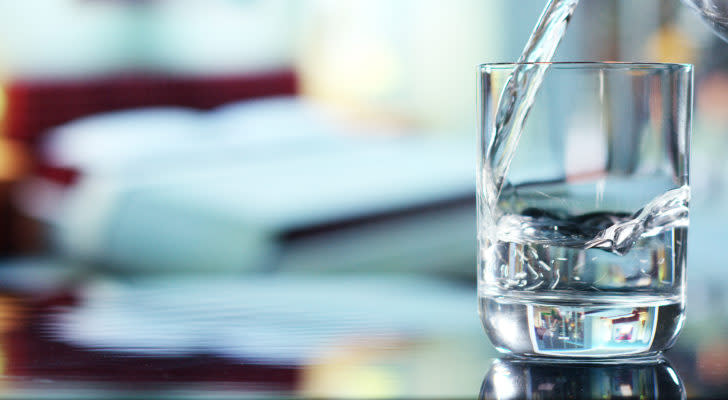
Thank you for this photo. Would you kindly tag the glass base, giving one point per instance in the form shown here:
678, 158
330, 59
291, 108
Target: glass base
580, 330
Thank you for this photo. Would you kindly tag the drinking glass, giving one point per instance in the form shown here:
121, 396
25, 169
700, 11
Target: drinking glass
582, 248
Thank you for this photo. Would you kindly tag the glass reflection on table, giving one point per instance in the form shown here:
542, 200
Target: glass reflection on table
538, 379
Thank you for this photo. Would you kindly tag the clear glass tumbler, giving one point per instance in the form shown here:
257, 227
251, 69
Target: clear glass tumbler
582, 246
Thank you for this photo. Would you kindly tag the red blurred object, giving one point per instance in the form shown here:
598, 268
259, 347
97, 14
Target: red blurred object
35, 106
31, 352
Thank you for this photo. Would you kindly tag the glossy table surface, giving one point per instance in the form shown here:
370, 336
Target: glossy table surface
71, 333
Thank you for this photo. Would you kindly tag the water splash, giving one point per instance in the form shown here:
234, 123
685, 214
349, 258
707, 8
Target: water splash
520, 91
613, 232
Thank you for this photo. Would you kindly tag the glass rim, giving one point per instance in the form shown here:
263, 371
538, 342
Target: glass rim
590, 65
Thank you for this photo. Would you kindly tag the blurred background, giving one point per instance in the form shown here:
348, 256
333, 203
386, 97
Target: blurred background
285, 189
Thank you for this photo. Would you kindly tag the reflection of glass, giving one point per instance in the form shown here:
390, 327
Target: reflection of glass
582, 250
520, 379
